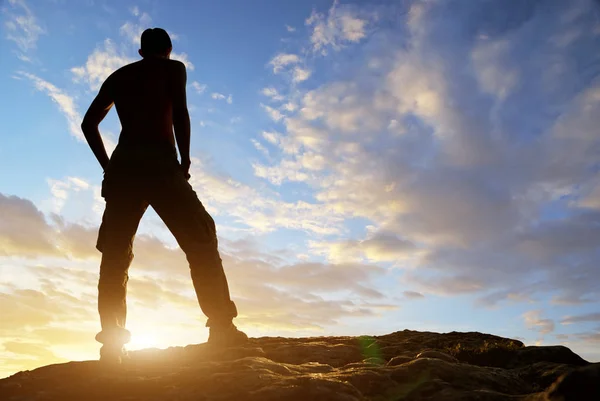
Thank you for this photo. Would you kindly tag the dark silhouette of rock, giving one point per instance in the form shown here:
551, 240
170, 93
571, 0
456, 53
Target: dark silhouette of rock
437, 355
406, 365
579, 384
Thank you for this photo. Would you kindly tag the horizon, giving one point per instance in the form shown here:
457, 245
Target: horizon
371, 167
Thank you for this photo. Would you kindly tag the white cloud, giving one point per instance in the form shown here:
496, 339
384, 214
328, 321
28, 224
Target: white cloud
412, 295
260, 147
342, 25
60, 190
319, 295
220, 96
259, 210
23, 231
290, 28
272, 137
132, 32
493, 73
100, 64
290, 107
22, 26
65, 103
438, 157
273, 113
282, 60
135, 11
272, 93
200, 88
534, 321
590, 317
377, 247
300, 74
183, 57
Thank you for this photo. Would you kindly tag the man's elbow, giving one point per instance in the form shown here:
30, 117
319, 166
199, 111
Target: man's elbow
180, 114
87, 125
180, 111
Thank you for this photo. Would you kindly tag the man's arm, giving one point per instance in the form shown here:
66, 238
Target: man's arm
181, 117
95, 114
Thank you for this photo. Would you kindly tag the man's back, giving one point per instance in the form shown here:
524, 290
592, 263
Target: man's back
145, 94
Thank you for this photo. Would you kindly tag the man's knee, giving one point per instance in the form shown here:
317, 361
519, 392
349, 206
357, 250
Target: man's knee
114, 266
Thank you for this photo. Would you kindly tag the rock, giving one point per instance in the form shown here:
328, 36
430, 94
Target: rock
556, 354
579, 384
437, 355
399, 360
542, 374
406, 365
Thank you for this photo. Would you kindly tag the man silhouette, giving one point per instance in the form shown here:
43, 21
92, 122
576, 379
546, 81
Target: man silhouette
150, 98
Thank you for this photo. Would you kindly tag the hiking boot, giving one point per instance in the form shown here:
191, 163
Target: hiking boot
113, 355
226, 336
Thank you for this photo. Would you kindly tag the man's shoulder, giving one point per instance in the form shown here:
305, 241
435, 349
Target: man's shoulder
122, 70
176, 64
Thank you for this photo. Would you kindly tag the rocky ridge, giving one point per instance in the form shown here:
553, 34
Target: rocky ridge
405, 365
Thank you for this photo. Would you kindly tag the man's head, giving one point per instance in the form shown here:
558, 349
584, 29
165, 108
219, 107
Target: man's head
155, 43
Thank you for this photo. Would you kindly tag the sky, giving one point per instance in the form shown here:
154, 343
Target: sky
377, 166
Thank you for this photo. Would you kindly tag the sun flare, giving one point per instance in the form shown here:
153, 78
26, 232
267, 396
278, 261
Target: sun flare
144, 340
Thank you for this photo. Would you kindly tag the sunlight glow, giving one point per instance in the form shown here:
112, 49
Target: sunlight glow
145, 340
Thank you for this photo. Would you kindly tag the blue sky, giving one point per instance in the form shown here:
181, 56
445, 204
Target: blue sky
371, 166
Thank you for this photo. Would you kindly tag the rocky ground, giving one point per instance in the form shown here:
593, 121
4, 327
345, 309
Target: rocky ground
406, 365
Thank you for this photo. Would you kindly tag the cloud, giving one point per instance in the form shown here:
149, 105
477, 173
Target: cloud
590, 317
282, 60
220, 96
534, 321
260, 147
22, 26
109, 57
200, 88
300, 74
24, 231
60, 189
379, 247
272, 93
290, 106
561, 337
490, 173
592, 337
273, 113
29, 349
59, 306
132, 31
261, 211
342, 25
100, 64
443, 285
290, 28
183, 57
66, 103
412, 295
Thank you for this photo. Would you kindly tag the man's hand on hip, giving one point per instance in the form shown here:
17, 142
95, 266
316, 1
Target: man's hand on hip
185, 166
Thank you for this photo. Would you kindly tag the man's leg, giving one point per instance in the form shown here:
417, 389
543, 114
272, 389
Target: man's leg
194, 229
115, 240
